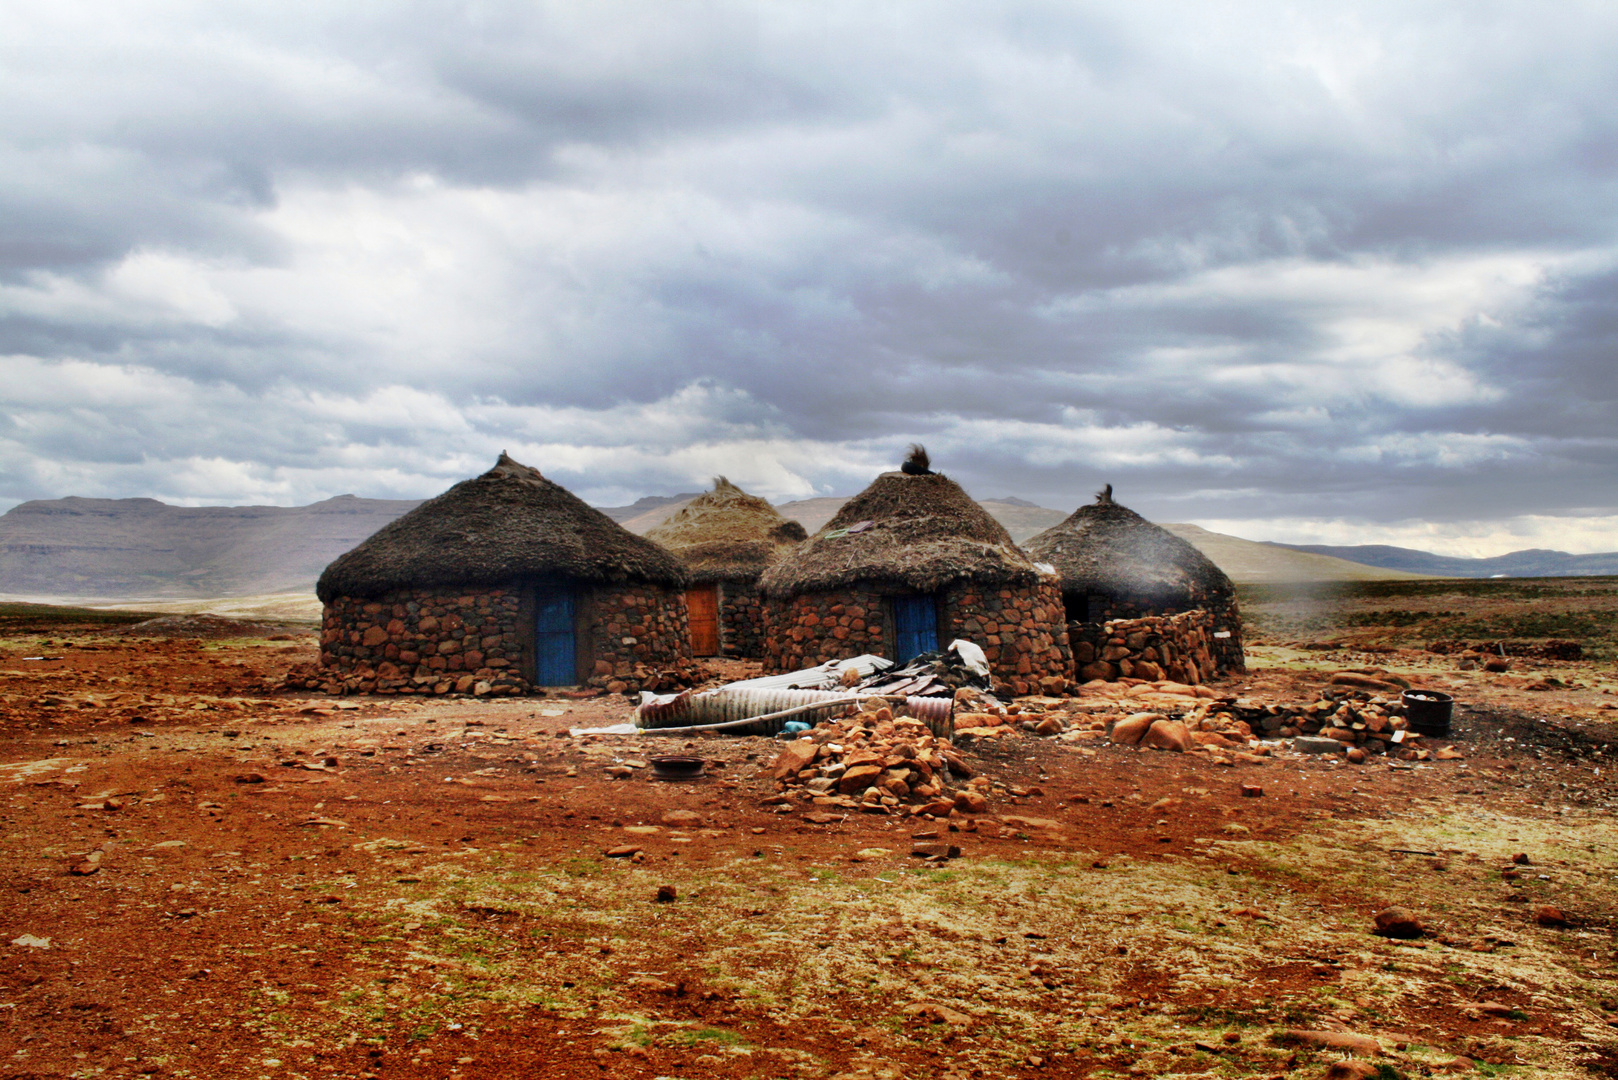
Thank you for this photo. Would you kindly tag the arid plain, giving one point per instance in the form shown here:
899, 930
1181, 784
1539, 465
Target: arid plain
208, 876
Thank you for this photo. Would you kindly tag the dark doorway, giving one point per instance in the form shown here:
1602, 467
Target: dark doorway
555, 639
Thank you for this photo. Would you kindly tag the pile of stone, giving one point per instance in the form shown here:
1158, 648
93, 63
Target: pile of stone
877, 763
1355, 722
984, 718
1480, 651
1346, 717
1179, 648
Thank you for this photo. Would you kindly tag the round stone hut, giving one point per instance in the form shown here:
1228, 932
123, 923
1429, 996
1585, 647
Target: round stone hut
727, 538
1135, 594
905, 567
503, 583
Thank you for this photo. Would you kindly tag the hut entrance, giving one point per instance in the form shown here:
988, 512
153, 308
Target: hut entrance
1080, 607
915, 626
703, 604
555, 642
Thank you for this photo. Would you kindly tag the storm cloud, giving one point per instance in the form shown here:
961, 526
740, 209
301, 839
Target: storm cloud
1342, 273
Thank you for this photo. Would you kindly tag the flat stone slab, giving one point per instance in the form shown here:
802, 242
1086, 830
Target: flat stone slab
1314, 744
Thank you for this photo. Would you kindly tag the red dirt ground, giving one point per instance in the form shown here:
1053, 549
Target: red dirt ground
239, 882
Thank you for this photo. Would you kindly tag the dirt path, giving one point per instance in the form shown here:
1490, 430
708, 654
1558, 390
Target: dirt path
235, 883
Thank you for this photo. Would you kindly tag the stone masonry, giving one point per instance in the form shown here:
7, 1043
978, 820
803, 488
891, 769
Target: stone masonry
638, 637
1225, 622
426, 641
1177, 647
741, 620
479, 640
1019, 628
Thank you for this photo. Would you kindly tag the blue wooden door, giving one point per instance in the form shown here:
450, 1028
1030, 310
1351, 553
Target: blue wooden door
915, 626
555, 649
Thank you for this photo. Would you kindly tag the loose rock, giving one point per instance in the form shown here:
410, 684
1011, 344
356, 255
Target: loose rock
1550, 915
1399, 922
1168, 735
1131, 729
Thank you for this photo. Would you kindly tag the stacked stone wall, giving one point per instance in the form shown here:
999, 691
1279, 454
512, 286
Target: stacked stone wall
479, 641
1178, 647
426, 641
1229, 657
1019, 628
816, 627
639, 638
741, 620
1224, 615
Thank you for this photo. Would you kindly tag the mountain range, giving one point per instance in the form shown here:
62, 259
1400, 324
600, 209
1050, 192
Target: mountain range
146, 549
1530, 562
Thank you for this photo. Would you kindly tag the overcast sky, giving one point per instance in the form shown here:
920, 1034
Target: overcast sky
1331, 272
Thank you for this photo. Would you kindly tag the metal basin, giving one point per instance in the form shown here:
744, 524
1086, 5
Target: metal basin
676, 767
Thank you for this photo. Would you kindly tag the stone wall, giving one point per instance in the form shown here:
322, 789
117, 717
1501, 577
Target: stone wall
741, 620
638, 637
1019, 628
426, 641
1227, 638
810, 629
480, 641
1178, 647
1225, 621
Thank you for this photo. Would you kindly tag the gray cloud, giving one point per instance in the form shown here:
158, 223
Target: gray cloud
1330, 272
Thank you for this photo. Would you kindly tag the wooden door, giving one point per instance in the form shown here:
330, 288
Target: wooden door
915, 626
555, 642
702, 603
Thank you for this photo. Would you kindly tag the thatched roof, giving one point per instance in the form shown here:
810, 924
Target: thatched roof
509, 523
1108, 549
727, 535
905, 531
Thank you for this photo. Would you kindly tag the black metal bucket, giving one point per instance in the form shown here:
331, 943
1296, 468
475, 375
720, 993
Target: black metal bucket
1429, 712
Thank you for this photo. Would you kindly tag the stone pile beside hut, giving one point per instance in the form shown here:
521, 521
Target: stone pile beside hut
726, 539
504, 583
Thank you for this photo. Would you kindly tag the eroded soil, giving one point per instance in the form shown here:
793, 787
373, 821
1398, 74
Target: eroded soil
233, 882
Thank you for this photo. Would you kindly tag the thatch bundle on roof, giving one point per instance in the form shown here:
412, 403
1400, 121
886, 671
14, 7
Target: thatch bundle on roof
727, 535
1106, 549
507, 524
913, 531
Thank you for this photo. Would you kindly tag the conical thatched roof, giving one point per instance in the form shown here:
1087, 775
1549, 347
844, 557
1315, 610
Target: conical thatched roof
905, 531
509, 523
727, 535
1108, 549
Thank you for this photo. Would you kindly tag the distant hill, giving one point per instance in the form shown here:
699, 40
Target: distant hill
142, 548
1249, 562
1532, 562
145, 548
648, 504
